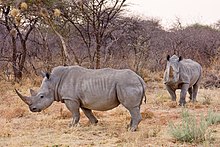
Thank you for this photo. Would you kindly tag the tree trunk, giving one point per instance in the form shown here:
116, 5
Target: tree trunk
98, 52
22, 60
98, 56
14, 59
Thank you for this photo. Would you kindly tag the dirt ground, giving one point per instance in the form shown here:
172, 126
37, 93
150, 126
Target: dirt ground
20, 127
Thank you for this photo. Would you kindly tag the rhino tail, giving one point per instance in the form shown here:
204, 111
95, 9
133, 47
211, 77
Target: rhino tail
143, 95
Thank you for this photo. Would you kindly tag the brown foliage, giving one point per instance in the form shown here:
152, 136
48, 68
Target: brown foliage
211, 81
10, 113
211, 76
146, 114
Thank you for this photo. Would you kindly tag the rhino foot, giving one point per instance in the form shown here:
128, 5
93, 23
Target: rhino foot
94, 121
132, 129
94, 124
193, 101
182, 104
74, 125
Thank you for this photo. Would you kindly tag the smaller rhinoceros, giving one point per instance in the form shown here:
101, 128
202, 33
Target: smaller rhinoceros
184, 74
88, 89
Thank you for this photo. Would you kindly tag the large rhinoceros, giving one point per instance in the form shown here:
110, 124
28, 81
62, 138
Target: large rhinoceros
88, 89
184, 74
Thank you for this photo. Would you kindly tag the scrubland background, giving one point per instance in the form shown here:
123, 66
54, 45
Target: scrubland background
39, 35
20, 127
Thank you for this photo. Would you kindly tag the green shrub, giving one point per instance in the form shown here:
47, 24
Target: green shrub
190, 130
213, 118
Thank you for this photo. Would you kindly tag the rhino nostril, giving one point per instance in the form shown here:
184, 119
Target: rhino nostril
34, 109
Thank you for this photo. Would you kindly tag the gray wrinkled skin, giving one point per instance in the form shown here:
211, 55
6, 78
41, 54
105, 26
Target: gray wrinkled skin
101, 89
184, 74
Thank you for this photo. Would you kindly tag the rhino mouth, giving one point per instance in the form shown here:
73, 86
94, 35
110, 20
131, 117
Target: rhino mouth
34, 109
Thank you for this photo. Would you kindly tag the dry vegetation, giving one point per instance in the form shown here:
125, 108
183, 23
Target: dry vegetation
20, 127
129, 42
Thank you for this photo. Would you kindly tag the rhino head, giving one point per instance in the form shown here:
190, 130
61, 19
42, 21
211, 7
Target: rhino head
42, 99
172, 71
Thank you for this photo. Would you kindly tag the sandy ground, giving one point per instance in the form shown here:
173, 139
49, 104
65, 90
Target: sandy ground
20, 127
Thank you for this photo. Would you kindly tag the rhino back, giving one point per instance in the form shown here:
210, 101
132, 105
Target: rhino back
190, 71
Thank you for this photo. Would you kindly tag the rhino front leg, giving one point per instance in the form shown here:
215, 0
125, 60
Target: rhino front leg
171, 92
90, 115
195, 91
135, 118
73, 106
190, 91
183, 93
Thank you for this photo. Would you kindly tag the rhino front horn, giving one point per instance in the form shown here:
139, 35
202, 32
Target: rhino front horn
24, 98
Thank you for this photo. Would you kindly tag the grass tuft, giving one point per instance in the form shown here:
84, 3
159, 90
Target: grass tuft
146, 114
13, 113
207, 99
212, 118
190, 130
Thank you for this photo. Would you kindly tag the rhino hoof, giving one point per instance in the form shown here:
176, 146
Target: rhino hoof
193, 101
182, 104
132, 129
94, 124
74, 125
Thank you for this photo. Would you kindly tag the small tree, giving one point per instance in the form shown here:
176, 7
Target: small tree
19, 21
92, 19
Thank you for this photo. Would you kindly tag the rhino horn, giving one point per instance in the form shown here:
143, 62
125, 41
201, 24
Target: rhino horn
24, 98
32, 92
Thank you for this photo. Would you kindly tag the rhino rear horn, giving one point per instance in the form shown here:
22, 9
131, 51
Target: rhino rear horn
24, 98
32, 92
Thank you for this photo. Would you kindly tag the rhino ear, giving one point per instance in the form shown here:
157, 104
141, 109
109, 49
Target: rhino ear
168, 57
48, 75
180, 58
43, 74
33, 93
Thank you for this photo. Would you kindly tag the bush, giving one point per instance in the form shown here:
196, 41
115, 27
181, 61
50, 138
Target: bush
212, 118
190, 130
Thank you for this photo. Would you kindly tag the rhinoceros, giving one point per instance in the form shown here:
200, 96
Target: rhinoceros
89, 89
184, 74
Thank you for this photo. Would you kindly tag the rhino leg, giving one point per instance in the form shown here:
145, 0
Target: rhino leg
73, 106
195, 91
183, 93
171, 92
90, 115
135, 118
190, 91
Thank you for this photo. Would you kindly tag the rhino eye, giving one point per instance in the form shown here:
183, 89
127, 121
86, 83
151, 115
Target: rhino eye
41, 96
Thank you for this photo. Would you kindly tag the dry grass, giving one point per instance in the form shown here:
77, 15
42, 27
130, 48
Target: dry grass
20, 127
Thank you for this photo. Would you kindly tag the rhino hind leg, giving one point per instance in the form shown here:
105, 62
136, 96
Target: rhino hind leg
135, 118
90, 115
